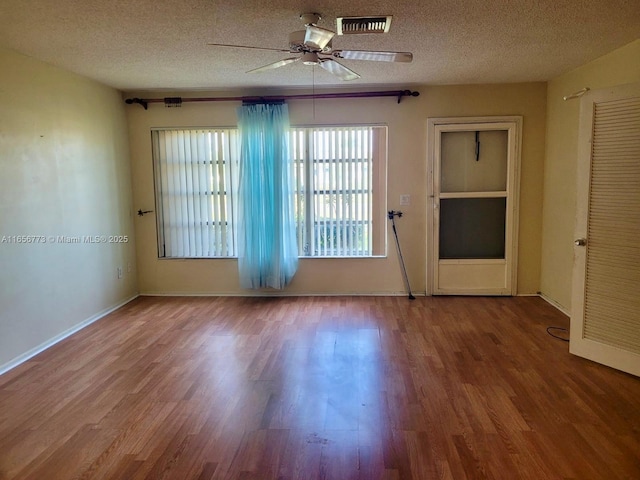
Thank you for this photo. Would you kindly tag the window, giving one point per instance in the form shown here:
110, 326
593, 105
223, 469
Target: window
194, 201
340, 191
338, 172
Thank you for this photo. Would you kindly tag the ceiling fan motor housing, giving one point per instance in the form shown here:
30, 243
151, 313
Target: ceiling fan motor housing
297, 45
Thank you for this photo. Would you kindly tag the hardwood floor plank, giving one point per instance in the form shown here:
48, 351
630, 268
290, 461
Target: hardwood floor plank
319, 388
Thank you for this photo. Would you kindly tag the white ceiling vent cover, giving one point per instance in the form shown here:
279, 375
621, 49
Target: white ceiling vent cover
354, 25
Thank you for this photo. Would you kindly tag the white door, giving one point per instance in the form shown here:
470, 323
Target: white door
472, 207
605, 319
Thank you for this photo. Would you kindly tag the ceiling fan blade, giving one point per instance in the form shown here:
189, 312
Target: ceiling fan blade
246, 46
278, 64
374, 56
317, 38
338, 69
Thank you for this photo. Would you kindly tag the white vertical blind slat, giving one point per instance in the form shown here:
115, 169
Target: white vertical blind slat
340, 187
370, 189
359, 188
345, 188
231, 140
197, 199
213, 193
174, 243
312, 179
353, 169
330, 186
206, 185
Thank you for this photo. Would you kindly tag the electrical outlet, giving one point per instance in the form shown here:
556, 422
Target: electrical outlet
405, 199
129, 267
119, 272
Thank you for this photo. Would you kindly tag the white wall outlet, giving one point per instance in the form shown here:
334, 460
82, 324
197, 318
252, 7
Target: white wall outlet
405, 199
129, 267
119, 272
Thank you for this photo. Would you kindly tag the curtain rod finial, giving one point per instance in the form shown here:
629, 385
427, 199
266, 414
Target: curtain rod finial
137, 100
407, 93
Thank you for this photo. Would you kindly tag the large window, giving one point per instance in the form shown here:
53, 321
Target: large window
340, 182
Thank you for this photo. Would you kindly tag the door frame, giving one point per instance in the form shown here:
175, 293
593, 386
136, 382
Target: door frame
513, 191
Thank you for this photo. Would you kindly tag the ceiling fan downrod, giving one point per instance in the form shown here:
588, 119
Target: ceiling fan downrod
310, 18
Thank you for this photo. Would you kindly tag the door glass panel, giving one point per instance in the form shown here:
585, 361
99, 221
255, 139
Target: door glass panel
472, 228
461, 172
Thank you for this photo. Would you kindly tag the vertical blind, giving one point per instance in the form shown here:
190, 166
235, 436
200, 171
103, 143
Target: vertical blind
334, 180
335, 170
612, 301
194, 174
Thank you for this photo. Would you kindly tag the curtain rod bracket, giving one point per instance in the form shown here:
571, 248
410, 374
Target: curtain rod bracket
262, 101
407, 93
139, 101
577, 94
174, 102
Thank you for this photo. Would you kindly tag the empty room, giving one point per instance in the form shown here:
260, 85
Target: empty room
295, 240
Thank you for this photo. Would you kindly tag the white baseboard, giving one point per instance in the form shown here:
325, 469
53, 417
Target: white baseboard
11, 364
260, 293
555, 304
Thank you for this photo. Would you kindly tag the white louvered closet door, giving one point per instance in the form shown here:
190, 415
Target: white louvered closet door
605, 322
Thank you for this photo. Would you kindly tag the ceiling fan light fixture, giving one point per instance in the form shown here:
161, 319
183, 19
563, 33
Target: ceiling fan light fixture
359, 25
317, 38
310, 58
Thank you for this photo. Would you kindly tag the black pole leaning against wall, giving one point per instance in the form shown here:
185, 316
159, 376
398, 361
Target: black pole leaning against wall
178, 101
391, 215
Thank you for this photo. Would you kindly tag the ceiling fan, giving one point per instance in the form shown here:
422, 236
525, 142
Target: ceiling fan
314, 46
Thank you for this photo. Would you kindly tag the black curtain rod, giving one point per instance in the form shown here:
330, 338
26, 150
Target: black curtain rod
178, 101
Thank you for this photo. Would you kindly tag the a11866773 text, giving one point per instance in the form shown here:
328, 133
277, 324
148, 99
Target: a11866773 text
63, 239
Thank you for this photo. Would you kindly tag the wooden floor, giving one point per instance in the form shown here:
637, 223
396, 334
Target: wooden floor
309, 388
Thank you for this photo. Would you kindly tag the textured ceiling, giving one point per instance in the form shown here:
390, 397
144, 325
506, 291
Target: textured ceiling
162, 44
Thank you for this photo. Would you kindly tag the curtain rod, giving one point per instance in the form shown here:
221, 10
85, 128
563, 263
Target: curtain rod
178, 101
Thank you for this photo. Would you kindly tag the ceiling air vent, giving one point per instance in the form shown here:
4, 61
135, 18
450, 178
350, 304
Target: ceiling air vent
353, 25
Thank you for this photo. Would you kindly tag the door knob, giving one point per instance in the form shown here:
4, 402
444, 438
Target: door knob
580, 242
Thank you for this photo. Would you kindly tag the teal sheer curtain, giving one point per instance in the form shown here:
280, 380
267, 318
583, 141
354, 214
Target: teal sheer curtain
267, 248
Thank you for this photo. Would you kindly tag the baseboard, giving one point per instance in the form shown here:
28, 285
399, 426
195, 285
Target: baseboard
555, 304
260, 293
51, 342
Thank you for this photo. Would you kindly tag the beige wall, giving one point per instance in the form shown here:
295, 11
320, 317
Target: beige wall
406, 175
64, 171
616, 68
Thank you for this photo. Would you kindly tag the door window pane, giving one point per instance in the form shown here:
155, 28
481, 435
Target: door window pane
461, 172
472, 228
